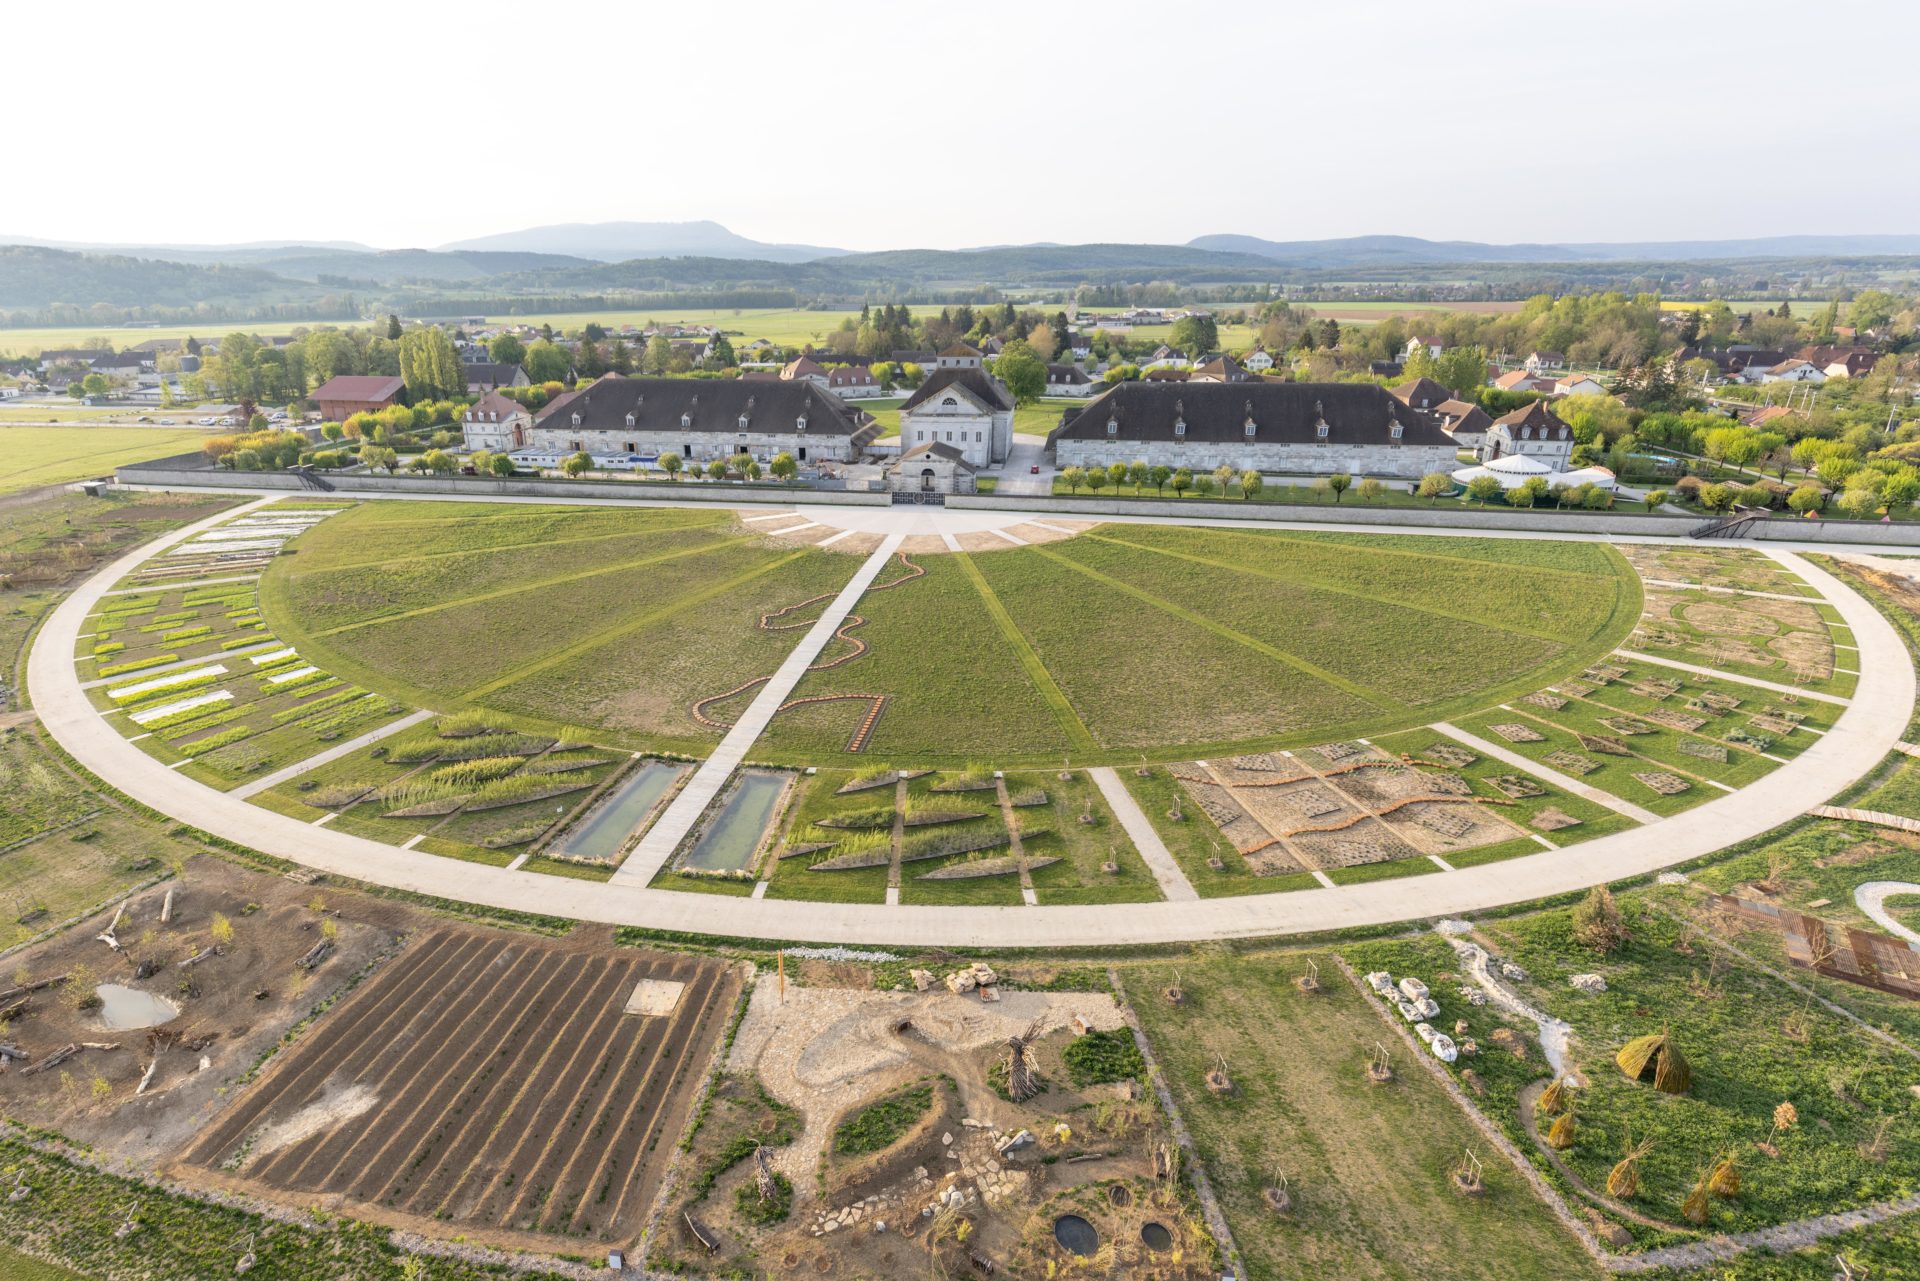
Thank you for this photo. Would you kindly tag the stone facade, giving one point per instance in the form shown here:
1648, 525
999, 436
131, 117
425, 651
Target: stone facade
1280, 458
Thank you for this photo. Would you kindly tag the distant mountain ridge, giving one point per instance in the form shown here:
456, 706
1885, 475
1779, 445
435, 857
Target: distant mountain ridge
625, 241
1376, 251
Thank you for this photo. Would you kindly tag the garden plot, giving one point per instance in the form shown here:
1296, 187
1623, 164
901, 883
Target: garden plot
1211, 863
1788, 642
1849, 1133
171, 627
986, 869
1733, 760
489, 1081
246, 544
228, 721
1367, 1167
1739, 568
863, 853
1594, 759
269, 952
1251, 840
1098, 863
467, 786
1723, 713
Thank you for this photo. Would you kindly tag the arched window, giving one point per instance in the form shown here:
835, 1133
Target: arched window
949, 403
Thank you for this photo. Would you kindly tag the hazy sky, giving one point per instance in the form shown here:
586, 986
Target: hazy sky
891, 125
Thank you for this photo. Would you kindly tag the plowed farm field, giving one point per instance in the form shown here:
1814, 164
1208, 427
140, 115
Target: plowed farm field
488, 1080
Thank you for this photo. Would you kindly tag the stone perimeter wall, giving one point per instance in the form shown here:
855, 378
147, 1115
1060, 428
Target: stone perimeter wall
729, 495
1354, 512
1404, 462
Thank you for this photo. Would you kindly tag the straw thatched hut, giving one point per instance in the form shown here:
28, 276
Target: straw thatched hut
1655, 1059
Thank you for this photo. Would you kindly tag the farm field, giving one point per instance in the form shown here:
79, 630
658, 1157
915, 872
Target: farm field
1367, 1167
34, 456
528, 1103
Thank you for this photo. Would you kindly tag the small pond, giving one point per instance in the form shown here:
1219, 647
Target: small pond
128, 1008
1076, 1235
601, 833
730, 840
1157, 1237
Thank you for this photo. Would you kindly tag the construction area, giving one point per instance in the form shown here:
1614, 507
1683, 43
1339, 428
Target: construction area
952, 1123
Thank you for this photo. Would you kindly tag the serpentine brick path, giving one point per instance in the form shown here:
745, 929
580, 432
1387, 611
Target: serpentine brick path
1866, 730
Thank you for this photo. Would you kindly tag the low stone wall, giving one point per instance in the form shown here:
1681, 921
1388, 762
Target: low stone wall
493, 487
1354, 512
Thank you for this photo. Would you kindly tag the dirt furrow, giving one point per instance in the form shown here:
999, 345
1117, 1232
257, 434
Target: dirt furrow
516, 1170
395, 1119
282, 1082
433, 1121
627, 1085
475, 1141
694, 1036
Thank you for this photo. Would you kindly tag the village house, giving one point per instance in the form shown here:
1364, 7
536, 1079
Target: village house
962, 405
1258, 361
1221, 369
495, 423
1422, 393
1415, 343
1068, 380
804, 369
486, 375
1312, 429
1794, 371
702, 420
1535, 432
345, 395
851, 382
1577, 385
72, 356
1841, 362
1521, 380
1540, 362
1465, 421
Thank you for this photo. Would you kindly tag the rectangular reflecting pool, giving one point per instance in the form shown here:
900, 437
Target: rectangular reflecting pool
735, 833
602, 833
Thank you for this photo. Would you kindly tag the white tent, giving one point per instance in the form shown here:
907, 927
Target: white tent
1515, 470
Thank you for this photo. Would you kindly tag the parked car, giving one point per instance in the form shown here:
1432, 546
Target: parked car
1034, 470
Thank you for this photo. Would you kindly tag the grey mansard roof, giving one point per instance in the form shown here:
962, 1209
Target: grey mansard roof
1282, 413
707, 405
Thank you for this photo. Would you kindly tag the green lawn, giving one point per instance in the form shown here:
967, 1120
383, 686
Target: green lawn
20, 1267
1366, 1166
32, 456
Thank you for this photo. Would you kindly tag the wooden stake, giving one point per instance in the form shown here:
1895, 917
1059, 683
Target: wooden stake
780, 962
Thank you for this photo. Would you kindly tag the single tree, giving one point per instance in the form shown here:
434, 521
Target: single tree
671, 463
506, 350
1370, 489
1249, 484
1596, 922
1654, 498
1483, 489
1182, 481
502, 465
784, 467
1137, 473
1434, 484
1160, 475
1073, 476
1223, 477
717, 469
1339, 483
1203, 485
1117, 475
577, 464
1096, 479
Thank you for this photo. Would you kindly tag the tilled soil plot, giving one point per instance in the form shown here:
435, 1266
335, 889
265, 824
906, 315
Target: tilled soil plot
490, 1080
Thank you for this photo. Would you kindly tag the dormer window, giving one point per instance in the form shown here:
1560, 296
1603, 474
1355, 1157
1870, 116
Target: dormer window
1395, 430
1250, 428
743, 422
686, 420
576, 418
631, 418
1113, 426
1179, 426
1250, 423
1320, 430
800, 423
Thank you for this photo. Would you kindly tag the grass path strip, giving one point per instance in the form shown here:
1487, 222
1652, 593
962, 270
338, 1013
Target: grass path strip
1227, 633
517, 588
615, 632
538, 542
1314, 584
1070, 722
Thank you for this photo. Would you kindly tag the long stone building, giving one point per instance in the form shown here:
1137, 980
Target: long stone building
702, 419
1313, 429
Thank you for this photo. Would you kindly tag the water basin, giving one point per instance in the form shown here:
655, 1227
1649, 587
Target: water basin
601, 834
1157, 1237
1076, 1235
730, 840
128, 1008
